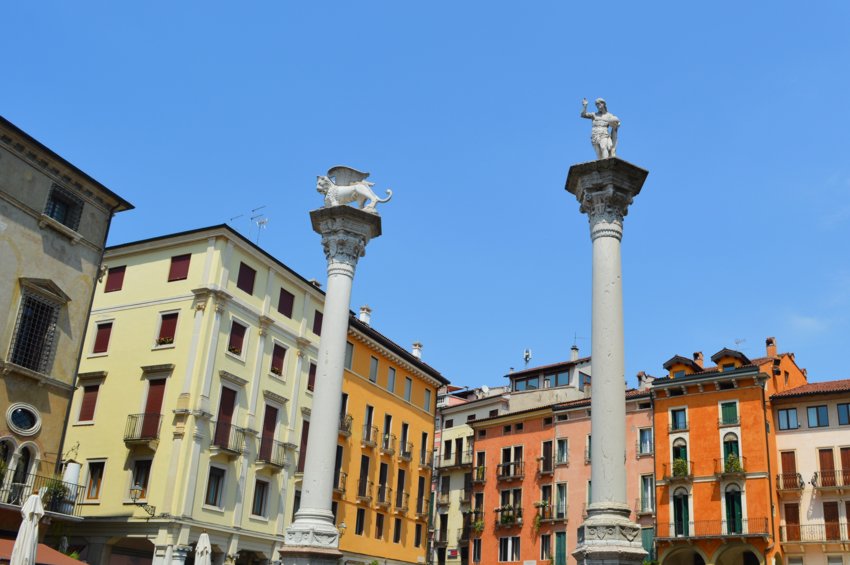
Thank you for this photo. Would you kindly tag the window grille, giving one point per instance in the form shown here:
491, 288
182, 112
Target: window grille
35, 331
64, 207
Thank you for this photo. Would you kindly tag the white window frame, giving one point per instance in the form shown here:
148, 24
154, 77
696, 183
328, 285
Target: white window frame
265, 500
221, 493
245, 340
97, 324
160, 314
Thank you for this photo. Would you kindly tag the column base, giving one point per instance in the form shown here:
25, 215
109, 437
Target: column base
608, 537
302, 555
312, 528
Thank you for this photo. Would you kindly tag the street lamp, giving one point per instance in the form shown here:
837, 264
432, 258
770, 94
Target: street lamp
136, 494
341, 529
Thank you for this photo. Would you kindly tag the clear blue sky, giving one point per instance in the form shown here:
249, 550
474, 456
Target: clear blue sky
200, 111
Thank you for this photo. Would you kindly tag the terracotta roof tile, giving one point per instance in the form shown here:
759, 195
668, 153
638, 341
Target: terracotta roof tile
827, 387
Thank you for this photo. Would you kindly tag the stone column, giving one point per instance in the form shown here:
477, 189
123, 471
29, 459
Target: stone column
605, 189
313, 537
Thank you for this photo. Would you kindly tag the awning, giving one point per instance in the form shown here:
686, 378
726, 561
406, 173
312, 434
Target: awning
44, 556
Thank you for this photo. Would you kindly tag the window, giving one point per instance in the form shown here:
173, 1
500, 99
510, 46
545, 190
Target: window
359, 523
302, 448
678, 419
237, 338
215, 487
115, 279
788, 419
730, 448
349, 354
561, 500
278, 357
379, 525
470, 418
167, 328
509, 549
545, 547
729, 413
680, 449
518, 427
35, 332
64, 207
529, 383
680, 513
141, 475
373, 369
101, 338
844, 416
427, 403
391, 380
448, 423
795, 561
493, 413
476, 549
583, 380
95, 479
818, 416
311, 377
408, 387
89, 402
417, 536
397, 531
286, 303
482, 433
645, 441
317, 323
506, 429
647, 493
562, 451
261, 495
245, 281
179, 269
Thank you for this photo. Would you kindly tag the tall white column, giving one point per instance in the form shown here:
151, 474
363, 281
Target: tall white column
313, 537
605, 189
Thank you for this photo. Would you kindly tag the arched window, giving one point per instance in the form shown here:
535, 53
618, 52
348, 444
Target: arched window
680, 513
734, 510
680, 449
730, 446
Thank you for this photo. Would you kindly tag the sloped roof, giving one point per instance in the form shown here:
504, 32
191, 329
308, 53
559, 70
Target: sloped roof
811, 389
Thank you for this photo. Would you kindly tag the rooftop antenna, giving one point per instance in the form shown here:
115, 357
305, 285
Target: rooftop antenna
739, 341
526, 356
260, 220
576, 338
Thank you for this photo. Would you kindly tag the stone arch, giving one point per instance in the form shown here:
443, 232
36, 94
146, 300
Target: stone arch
684, 555
738, 554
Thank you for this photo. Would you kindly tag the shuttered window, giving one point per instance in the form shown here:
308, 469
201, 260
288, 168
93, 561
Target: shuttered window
311, 377
286, 303
317, 323
101, 339
179, 267
278, 356
302, 449
237, 338
729, 412
246, 278
167, 329
115, 278
89, 403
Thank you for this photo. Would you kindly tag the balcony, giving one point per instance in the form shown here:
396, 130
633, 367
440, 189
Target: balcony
564, 461
545, 466
228, 440
388, 442
479, 475
406, 453
425, 460
459, 459
680, 471
60, 499
442, 498
831, 532
339, 483
364, 490
370, 436
385, 496
509, 517
142, 430
753, 527
731, 467
402, 502
677, 427
463, 535
466, 494
792, 483
345, 425
510, 471
729, 421
272, 453
422, 507
441, 537
836, 480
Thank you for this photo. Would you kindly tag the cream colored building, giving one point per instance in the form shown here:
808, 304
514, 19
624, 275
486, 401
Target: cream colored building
54, 219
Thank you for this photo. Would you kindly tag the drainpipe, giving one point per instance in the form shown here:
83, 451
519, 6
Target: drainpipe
769, 470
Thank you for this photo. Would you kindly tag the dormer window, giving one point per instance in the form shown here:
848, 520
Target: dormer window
678, 374
728, 367
528, 383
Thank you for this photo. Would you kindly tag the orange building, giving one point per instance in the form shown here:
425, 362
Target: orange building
715, 456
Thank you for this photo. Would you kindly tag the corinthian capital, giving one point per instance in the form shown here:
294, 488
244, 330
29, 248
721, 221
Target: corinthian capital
345, 232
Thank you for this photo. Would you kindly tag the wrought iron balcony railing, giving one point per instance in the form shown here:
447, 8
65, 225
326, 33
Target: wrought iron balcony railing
677, 427
756, 527
385, 495
59, 497
731, 466
339, 483
790, 482
442, 498
422, 507
479, 474
729, 421
463, 534
545, 465
457, 459
511, 471
406, 453
425, 459
345, 425
831, 479
272, 452
388, 444
402, 501
370, 436
364, 490
142, 427
229, 438
509, 516
678, 471
815, 533
466, 494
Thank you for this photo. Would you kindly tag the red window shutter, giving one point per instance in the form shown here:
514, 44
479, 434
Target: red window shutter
278, 355
246, 278
286, 303
179, 267
267, 438
225, 416
167, 328
115, 278
302, 450
237, 338
317, 323
89, 402
311, 377
101, 340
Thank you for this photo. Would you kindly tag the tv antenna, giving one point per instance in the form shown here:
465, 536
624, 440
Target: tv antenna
261, 220
739, 341
526, 356
576, 338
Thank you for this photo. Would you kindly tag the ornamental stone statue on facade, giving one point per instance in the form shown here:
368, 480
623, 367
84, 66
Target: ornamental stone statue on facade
603, 133
343, 185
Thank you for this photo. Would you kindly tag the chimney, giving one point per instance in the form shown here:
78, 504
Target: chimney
315, 283
698, 358
770, 344
365, 314
417, 350
644, 380
573, 352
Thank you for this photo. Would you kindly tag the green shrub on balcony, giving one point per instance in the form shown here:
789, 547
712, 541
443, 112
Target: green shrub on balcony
733, 464
680, 468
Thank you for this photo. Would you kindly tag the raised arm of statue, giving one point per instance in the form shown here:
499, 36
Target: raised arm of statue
584, 112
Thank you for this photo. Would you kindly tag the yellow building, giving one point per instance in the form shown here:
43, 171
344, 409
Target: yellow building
193, 402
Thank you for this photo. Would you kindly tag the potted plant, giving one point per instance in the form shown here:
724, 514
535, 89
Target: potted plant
235, 350
733, 464
164, 340
478, 526
680, 468
55, 494
277, 370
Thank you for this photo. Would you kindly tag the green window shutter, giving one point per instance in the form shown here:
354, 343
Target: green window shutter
560, 548
647, 538
729, 412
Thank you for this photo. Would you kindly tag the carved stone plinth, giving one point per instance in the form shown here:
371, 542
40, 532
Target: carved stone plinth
309, 556
605, 189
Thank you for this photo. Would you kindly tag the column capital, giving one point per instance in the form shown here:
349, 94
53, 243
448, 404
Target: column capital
345, 232
604, 190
